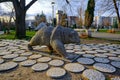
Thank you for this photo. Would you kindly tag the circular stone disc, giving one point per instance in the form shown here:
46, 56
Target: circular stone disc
44, 59
5, 53
28, 63
110, 54
114, 58
56, 72
93, 75
74, 67
80, 53
102, 60
56, 63
40, 67
116, 64
101, 55
26, 54
19, 59
104, 67
88, 55
101, 51
85, 61
1, 61
8, 66
35, 56
91, 52
10, 56
115, 78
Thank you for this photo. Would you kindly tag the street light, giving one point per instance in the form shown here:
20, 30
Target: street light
53, 3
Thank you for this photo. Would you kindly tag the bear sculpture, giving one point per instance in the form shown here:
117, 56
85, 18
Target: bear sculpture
55, 38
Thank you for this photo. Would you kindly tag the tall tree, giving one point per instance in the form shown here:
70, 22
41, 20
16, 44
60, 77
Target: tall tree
81, 11
20, 14
89, 13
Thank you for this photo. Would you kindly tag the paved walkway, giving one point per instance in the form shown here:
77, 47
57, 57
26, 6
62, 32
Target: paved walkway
106, 36
101, 60
1, 32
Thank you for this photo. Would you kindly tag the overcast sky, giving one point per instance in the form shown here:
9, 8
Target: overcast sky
46, 7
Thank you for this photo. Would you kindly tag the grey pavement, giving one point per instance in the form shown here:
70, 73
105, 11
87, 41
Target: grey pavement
110, 36
103, 61
1, 32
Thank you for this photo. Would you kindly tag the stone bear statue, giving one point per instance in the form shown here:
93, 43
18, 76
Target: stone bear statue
55, 38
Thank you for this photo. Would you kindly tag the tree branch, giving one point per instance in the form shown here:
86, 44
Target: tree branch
31, 3
5, 1
16, 5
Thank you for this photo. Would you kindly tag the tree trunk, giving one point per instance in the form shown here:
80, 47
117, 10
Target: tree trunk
117, 12
89, 33
20, 25
119, 24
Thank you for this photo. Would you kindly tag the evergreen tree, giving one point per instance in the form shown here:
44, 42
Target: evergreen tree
89, 13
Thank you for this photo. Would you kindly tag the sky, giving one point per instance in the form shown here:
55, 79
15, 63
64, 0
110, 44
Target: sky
46, 7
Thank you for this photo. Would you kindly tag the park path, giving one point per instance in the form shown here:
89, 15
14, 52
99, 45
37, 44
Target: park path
1, 32
110, 36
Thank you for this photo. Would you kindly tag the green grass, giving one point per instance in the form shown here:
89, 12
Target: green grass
102, 30
29, 34
105, 31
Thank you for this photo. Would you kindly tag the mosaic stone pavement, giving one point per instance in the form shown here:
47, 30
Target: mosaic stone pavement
95, 60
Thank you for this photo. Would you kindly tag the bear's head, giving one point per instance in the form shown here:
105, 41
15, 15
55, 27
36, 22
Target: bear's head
73, 37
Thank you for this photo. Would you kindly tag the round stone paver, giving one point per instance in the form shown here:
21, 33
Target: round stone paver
102, 60
101, 55
91, 52
35, 56
85, 61
110, 54
93, 75
114, 58
1, 61
44, 59
115, 78
104, 67
116, 64
70, 51
10, 56
40, 67
5, 53
26, 54
80, 53
74, 67
28, 63
101, 51
56, 72
20, 59
88, 55
56, 63
8, 66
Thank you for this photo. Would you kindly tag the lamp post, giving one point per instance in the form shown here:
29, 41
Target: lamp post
53, 3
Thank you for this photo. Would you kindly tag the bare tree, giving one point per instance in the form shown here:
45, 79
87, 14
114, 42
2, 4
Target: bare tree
20, 14
81, 12
112, 6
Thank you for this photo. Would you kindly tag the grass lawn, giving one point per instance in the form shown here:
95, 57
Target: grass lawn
105, 31
29, 34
